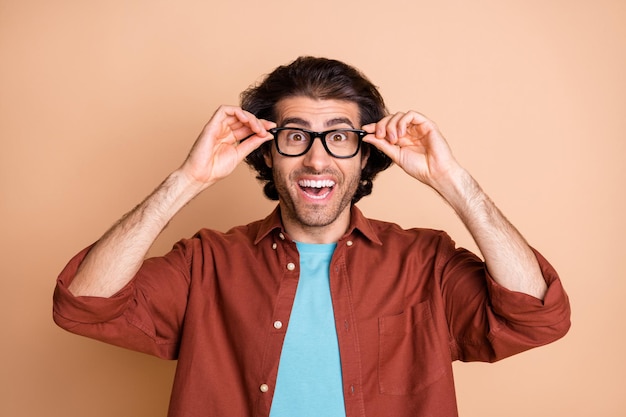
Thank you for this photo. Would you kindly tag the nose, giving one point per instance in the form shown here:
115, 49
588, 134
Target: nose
317, 158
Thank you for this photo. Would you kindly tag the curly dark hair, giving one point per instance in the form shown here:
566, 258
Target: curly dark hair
318, 78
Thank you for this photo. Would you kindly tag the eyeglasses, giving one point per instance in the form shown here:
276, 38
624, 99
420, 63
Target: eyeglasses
339, 143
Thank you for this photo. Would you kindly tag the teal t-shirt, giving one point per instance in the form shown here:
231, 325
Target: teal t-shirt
309, 382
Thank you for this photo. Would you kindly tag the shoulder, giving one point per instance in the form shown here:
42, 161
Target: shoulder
389, 231
242, 233
381, 232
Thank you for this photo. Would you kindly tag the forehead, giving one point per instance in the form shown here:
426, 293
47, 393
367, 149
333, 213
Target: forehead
316, 112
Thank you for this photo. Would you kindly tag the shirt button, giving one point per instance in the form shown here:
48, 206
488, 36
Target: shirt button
278, 324
291, 266
264, 388
274, 245
349, 243
281, 236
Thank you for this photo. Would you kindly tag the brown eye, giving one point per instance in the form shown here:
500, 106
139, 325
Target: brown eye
296, 136
337, 137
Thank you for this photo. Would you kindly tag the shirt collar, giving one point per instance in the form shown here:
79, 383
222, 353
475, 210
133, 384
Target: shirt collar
357, 222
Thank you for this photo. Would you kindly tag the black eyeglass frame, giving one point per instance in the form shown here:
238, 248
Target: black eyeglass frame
322, 136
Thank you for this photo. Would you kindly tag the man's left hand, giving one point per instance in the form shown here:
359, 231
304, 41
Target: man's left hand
414, 143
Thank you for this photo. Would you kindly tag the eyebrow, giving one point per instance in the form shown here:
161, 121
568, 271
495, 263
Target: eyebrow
331, 122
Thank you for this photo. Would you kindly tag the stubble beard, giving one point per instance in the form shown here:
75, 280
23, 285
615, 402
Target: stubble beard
311, 215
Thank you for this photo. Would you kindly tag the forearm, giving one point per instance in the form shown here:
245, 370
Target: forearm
116, 257
509, 259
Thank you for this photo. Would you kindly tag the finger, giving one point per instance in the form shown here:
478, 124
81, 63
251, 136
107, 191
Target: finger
235, 117
224, 120
381, 127
230, 114
257, 125
252, 122
417, 120
251, 143
268, 124
392, 127
244, 132
407, 119
233, 124
383, 145
369, 128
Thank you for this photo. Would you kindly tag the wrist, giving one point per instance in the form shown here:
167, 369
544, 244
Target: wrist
454, 183
460, 190
186, 183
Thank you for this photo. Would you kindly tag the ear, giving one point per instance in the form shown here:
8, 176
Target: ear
267, 156
365, 154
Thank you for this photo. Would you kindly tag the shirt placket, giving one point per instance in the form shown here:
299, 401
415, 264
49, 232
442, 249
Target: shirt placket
287, 265
346, 329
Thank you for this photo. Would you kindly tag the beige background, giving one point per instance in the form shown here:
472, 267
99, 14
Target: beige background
100, 100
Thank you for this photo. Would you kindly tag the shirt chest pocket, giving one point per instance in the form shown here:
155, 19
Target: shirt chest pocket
410, 356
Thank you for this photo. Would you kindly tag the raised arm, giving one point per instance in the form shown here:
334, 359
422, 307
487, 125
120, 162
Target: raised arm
115, 258
414, 143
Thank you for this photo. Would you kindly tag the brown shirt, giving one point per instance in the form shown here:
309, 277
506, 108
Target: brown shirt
407, 304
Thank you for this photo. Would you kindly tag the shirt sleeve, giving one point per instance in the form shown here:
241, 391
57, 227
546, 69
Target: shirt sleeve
146, 315
488, 322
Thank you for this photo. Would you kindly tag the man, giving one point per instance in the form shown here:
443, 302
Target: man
315, 310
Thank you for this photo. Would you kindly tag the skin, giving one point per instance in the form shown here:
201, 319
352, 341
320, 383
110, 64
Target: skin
306, 217
411, 140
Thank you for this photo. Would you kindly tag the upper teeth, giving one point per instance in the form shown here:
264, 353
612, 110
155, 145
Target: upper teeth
316, 184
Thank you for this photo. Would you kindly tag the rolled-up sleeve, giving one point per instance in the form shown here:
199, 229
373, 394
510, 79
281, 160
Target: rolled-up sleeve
145, 315
488, 322
523, 320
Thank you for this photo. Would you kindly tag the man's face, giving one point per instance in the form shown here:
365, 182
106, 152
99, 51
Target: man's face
315, 189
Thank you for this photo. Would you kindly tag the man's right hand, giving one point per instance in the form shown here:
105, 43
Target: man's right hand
221, 145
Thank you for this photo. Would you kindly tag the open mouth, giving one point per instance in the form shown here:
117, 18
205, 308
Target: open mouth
316, 189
